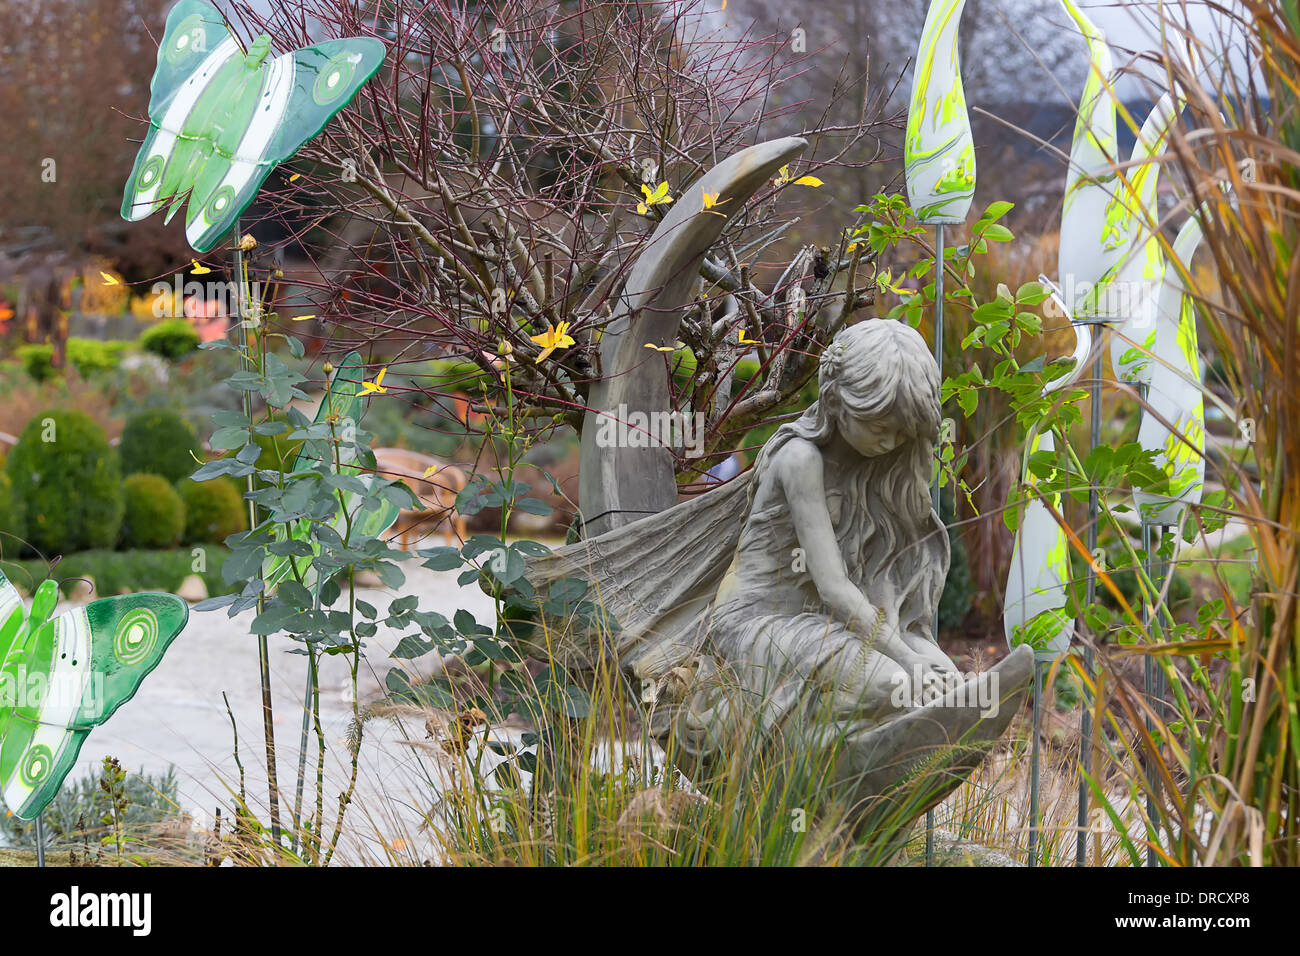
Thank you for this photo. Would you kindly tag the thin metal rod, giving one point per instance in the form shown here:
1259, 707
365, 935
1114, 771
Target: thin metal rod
1094, 512
40, 840
308, 712
307, 699
263, 652
934, 490
1148, 676
1036, 756
1153, 680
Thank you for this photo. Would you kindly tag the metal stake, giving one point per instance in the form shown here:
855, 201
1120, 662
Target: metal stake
1034, 762
40, 840
1094, 510
934, 490
1153, 686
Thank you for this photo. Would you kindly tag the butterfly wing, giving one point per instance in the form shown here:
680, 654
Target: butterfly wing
359, 524
12, 615
325, 78
71, 675
297, 94
343, 405
197, 56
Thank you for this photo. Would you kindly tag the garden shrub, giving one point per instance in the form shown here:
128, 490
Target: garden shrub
160, 442
68, 482
153, 513
173, 339
11, 516
87, 356
37, 361
214, 510
91, 356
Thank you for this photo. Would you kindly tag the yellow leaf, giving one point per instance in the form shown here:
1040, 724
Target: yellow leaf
661, 348
199, 269
377, 386
108, 279
430, 470
303, 318
294, 176
808, 181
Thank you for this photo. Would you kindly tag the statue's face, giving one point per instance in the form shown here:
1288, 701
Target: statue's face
869, 438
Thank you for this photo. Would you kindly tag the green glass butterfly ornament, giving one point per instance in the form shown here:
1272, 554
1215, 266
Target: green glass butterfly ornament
220, 119
62, 676
340, 411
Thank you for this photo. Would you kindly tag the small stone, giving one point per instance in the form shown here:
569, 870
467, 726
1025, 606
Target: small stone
193, 589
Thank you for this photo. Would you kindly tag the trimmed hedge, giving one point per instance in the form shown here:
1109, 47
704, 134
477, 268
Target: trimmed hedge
87, 356
115, 572
159, 442
153, 514
214, 510
173, 339
11, 517
68, 482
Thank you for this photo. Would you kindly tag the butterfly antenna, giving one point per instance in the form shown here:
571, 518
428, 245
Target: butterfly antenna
76, 577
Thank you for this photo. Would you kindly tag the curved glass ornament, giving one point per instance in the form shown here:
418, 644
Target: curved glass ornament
1092, 242
1174, 394
62, 676
220, 119
1036, 595
1130, 293
939, 152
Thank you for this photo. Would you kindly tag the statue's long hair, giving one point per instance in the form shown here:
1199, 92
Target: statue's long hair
881, 371
658, 576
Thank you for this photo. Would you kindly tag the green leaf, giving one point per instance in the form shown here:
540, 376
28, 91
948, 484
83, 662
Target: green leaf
273, 619
996, 210
412, 646
1032, 293
442, 559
